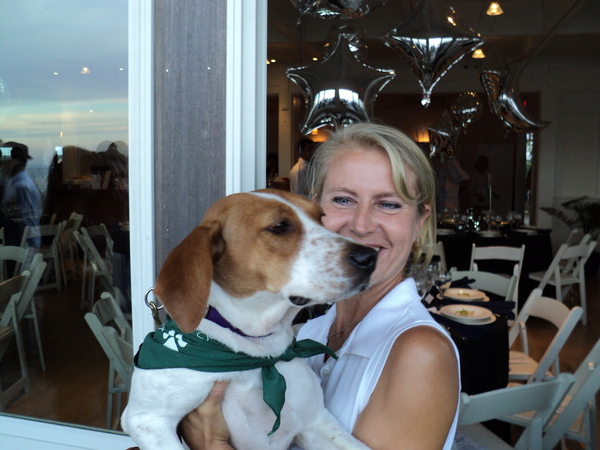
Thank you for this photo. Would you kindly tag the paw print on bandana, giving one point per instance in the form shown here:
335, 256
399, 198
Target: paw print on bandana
174, 341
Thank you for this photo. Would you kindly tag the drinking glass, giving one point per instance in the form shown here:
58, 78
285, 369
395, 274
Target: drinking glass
442, 280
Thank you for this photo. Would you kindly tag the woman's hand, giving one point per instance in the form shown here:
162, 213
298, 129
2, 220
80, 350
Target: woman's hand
205, 428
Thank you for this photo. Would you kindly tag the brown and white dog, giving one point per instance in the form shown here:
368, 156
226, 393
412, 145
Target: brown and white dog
256, 259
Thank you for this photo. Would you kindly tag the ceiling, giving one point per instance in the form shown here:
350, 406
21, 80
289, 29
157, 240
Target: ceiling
528, 29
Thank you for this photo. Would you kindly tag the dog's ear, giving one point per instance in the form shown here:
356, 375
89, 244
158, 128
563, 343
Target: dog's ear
184, 280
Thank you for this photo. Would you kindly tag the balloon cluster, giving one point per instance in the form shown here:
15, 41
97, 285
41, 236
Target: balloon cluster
443, 135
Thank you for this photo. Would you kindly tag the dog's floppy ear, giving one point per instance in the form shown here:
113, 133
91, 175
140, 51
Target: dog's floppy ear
184, 280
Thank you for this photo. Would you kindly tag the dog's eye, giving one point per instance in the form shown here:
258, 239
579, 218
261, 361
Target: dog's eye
280, 227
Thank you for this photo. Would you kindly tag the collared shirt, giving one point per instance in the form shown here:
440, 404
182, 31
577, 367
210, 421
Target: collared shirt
349, 382
23, 192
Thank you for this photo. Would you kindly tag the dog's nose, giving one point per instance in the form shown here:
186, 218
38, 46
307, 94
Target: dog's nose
363, 257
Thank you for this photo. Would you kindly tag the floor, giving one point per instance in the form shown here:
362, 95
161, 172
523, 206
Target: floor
73, 389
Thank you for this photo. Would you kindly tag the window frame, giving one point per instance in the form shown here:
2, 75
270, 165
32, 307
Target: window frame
245, 160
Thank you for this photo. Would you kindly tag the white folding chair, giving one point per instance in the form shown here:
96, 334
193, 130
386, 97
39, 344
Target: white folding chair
100, 232
21, 257
36, 268
500, 253
67, 244
542, 398
107, 310
11, 291
120, 354
522, 367
50, 252
96, 266
566, 270
438, 250
489, 282
575, 418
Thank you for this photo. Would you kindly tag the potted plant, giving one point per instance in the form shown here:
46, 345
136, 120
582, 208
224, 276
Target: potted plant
582, 213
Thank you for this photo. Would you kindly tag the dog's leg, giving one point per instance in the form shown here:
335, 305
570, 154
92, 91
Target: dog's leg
328, 434
158, 400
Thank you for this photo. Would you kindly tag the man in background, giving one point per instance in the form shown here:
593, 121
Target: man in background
21, 197
450, 179
299, 173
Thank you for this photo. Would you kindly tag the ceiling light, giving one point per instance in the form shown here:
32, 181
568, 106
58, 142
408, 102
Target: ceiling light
478, 54
494, 9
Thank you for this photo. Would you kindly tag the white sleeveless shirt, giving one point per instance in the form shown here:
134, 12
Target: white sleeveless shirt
349, 381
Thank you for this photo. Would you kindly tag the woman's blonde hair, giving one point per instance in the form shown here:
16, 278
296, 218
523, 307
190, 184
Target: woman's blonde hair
404, 154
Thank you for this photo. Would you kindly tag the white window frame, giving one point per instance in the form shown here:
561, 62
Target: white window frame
245, 158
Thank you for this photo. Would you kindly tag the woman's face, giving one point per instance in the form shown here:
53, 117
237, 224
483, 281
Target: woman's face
360, 202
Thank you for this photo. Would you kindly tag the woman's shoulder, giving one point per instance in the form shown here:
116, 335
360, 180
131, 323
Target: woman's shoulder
422, 343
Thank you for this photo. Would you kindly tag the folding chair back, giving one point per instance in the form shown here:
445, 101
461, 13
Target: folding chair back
543, 398
522, 366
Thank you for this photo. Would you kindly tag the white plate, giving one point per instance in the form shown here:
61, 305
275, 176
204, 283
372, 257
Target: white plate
527, 231
491, 233
466, 313
465, 295
445, 232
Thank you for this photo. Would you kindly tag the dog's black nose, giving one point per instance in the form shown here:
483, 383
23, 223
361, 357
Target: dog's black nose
363, 257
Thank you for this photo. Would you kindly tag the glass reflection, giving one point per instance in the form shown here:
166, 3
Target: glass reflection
63, 95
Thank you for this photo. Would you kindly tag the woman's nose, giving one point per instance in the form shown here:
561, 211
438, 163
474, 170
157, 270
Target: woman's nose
362, 221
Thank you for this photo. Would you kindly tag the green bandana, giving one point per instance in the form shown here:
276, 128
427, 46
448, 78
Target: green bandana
169, 347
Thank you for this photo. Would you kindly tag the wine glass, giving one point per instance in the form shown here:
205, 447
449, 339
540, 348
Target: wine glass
518, 218
424, 282
442, 280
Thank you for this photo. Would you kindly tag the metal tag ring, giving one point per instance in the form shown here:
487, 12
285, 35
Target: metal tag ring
150, 304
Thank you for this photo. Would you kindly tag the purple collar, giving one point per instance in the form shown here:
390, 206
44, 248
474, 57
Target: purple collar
215, 316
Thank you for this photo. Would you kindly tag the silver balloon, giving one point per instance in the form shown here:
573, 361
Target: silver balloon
505, 101
443, 135
466, 109
430, 43
357, 39
338, 9
339, 90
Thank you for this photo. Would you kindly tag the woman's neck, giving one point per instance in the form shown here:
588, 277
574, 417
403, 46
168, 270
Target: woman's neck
351, 311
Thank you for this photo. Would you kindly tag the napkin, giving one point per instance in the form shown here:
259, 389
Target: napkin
463, 282
472, 332
502, 307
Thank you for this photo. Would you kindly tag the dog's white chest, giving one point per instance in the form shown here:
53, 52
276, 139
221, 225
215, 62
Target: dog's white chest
250, 419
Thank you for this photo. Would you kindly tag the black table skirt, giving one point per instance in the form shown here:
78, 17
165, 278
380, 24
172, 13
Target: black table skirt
538, 255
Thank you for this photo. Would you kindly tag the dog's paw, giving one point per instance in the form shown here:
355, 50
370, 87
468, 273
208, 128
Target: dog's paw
173, 340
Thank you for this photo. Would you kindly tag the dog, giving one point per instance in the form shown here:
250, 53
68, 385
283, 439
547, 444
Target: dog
237, 281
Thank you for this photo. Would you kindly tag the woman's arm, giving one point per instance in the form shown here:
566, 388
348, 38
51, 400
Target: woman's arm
415, 400
205, 428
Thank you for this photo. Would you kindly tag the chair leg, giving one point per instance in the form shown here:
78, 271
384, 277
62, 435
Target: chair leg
38, 337
57, 271
583, 300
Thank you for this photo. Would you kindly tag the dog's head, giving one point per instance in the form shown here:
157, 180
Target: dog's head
266, 240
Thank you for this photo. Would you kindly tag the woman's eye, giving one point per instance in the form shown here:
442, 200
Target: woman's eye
390, 205
341, 200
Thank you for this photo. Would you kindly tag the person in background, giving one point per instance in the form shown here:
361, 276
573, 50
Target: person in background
21, 196
299, 173
450, 179
396, 381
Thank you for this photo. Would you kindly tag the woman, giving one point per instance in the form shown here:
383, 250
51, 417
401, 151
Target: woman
396, 382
